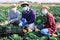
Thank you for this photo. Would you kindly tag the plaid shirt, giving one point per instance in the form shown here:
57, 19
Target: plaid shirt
50, 24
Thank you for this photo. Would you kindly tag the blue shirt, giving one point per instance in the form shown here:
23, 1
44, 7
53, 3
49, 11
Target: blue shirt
29, 16
14, 16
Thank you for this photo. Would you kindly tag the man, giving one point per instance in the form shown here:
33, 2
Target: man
49, 27
29, 15
14, 15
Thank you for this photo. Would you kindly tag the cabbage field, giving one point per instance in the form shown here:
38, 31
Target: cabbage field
55, 10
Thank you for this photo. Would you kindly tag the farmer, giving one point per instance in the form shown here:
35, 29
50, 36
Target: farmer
49, 27
14, 15
29, 15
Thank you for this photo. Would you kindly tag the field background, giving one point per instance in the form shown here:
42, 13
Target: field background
4, 9
55, 10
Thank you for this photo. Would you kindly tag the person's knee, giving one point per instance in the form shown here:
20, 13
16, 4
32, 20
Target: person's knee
44, 31
31, 26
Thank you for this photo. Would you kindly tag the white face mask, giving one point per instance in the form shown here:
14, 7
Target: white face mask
44, 12
25, 8
13, 9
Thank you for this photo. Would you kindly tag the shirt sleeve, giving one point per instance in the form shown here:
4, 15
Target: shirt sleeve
50, 20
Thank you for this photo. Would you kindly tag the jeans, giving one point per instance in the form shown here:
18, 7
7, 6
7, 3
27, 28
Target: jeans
43, 30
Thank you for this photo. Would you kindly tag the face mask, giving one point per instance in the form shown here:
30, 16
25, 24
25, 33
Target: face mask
43, 12
25, 8
13, 9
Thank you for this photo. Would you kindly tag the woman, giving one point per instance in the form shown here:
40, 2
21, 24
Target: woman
49, 27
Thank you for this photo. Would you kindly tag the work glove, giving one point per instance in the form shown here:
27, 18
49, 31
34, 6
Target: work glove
11, 21
23, 22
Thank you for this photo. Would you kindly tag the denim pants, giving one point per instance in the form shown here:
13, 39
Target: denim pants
43, 30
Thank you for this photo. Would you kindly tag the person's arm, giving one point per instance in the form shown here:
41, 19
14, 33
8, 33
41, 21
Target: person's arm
33, 16
18, 17
52, 27
50, 20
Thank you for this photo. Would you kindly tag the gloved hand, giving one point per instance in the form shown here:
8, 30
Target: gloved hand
23, 22
20, 24
11, 21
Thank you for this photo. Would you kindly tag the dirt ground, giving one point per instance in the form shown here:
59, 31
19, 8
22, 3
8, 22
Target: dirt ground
58, 25
7, 4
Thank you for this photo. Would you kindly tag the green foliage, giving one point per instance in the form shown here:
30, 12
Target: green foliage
40, 20
13, 29
34, 36
4, 38
55, 10
0, 29
53, 38
58, 30
31, 36
12, 37
16, 37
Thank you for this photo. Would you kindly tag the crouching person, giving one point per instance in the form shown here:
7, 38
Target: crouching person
14, 15
49, 27
29, 15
